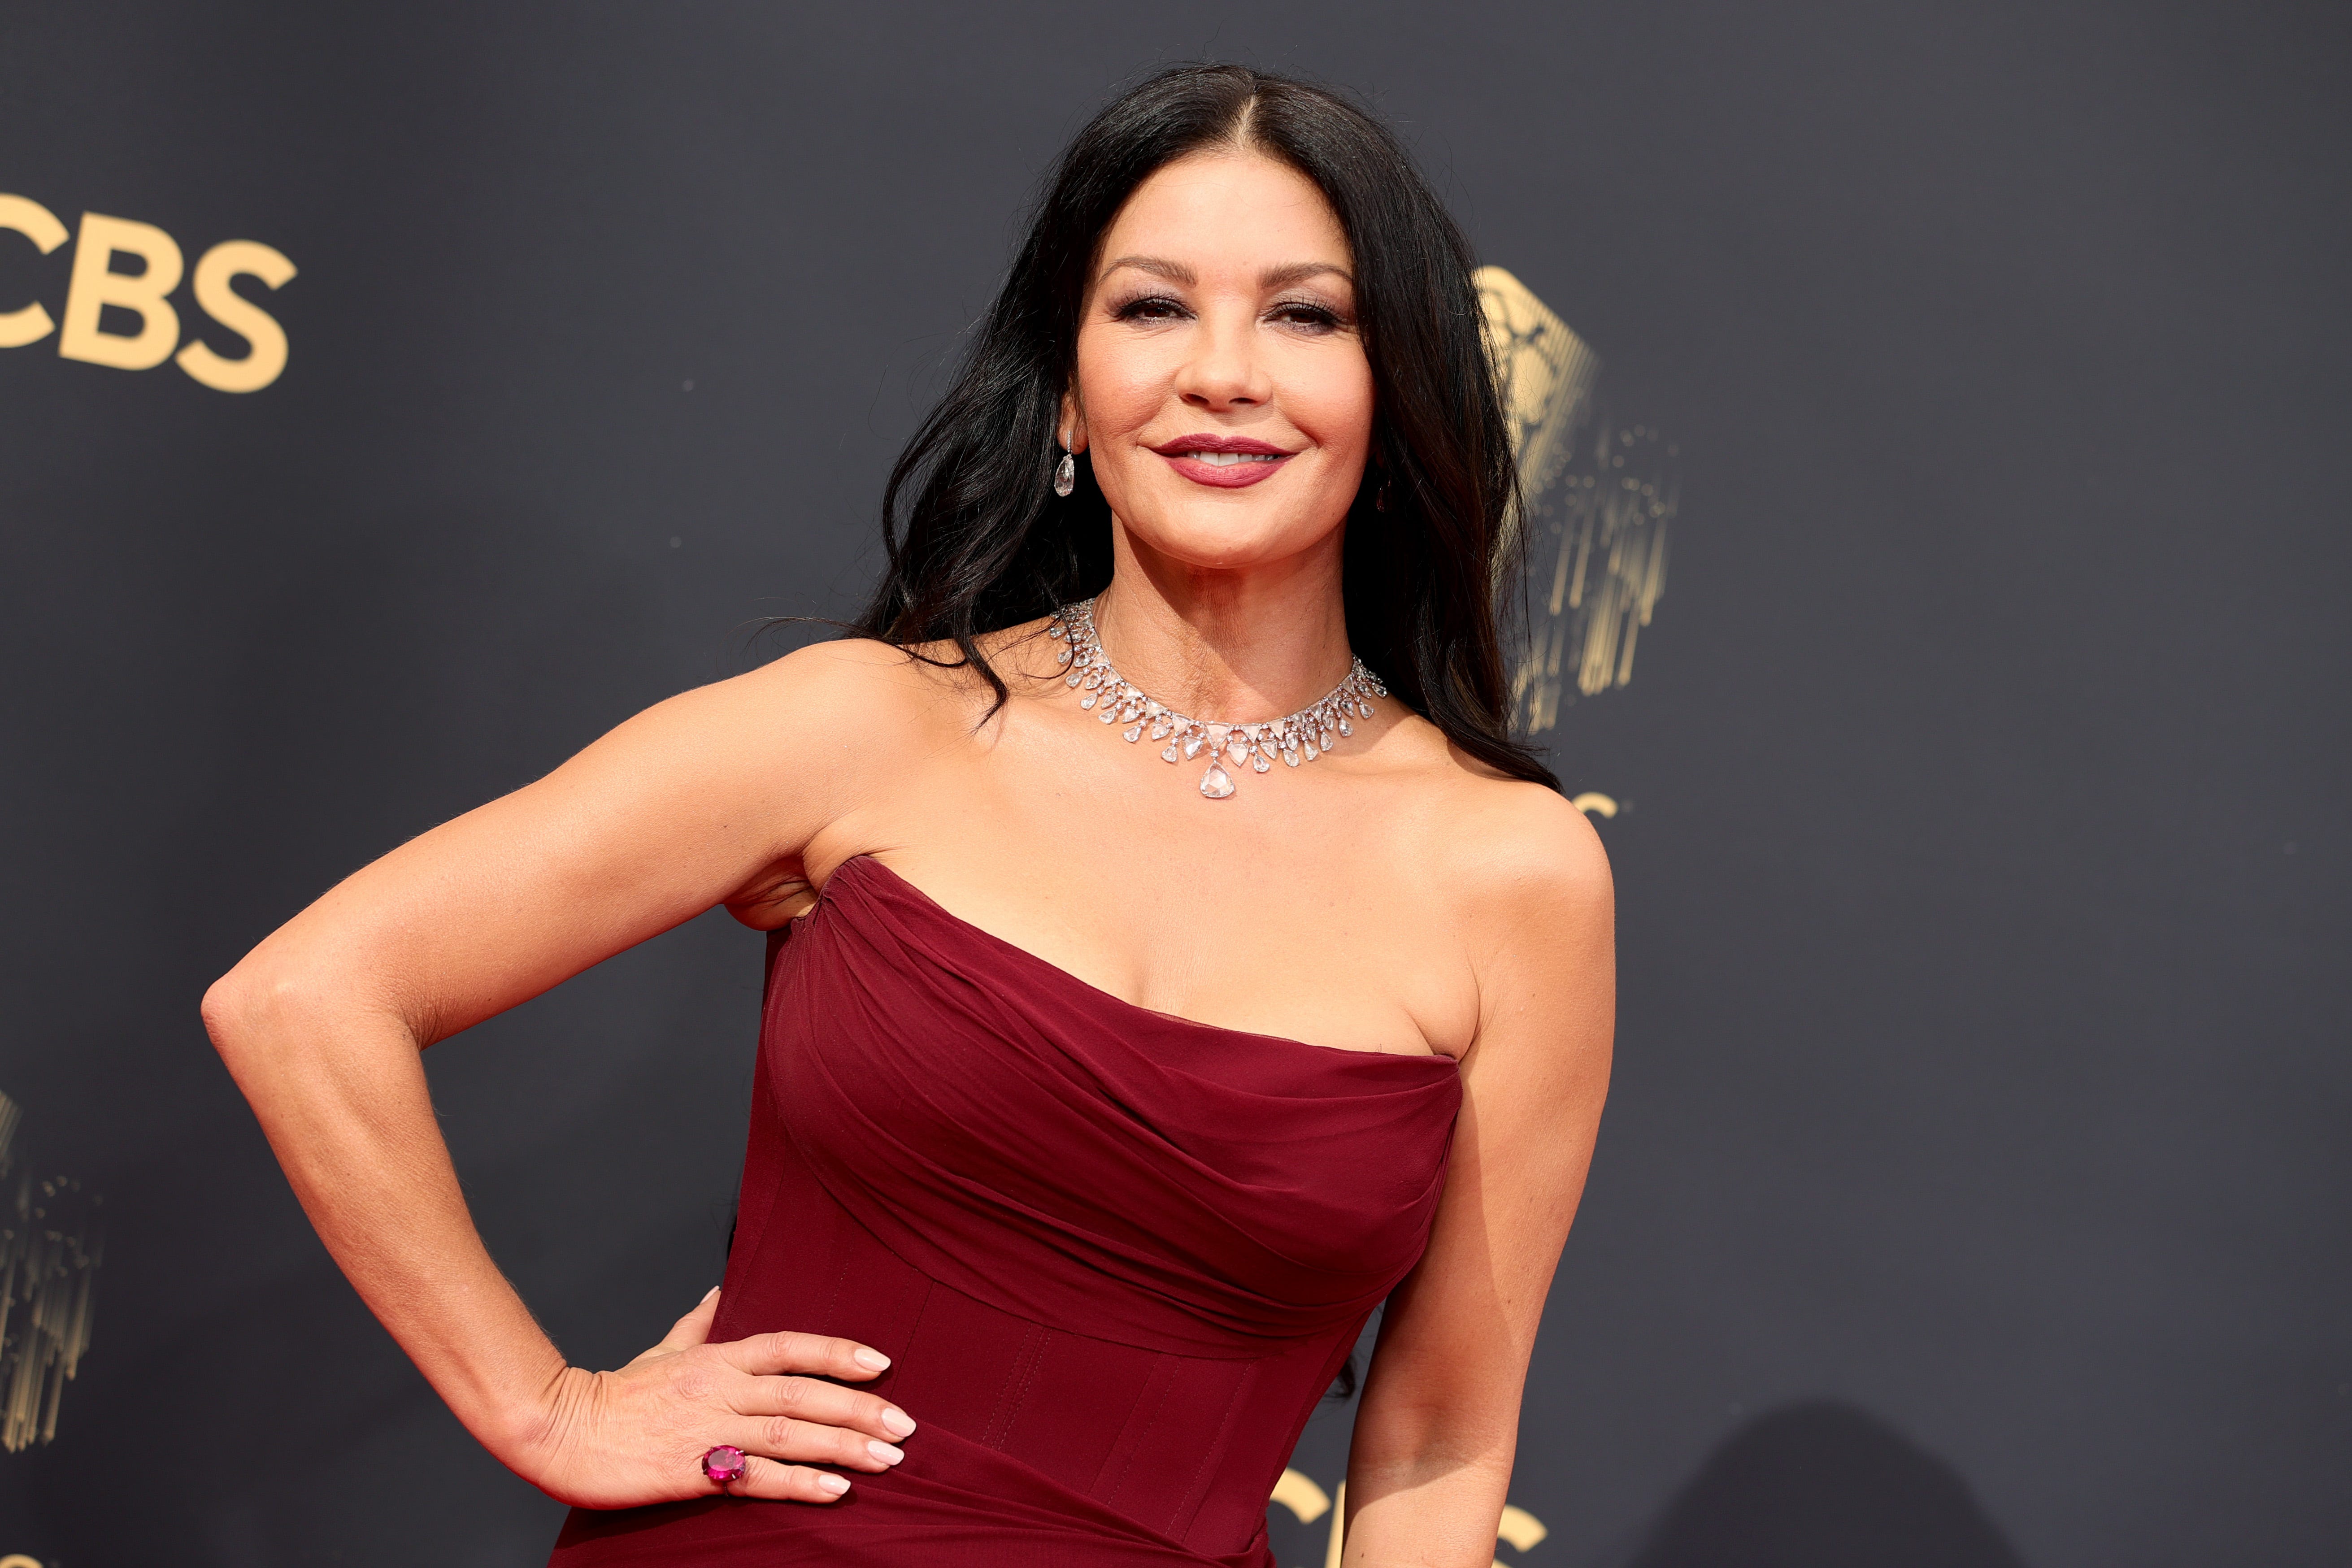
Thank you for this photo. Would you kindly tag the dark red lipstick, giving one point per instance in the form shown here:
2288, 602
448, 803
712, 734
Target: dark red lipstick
1223, 462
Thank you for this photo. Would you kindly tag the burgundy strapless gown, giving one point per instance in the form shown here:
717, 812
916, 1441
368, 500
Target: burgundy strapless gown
1115, 1256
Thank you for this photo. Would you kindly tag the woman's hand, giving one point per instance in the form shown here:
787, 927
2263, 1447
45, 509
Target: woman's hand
617, 1439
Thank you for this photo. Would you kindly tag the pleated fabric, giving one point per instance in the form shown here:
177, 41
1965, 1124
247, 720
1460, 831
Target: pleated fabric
1114, 1255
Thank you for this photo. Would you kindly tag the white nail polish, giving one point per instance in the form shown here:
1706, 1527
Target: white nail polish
883, 1451
899, 1422
872, 1361
837, 1485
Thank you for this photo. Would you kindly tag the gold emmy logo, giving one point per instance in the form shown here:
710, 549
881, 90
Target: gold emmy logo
98, 284
1595, 508
49, 1249
1596, 501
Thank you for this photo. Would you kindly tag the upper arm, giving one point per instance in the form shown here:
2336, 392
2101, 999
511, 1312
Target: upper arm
674, 811
1535, 899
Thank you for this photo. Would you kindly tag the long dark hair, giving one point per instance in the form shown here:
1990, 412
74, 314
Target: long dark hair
977, 541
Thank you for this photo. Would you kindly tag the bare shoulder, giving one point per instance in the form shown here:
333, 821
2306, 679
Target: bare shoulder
1484, 841
802, 734
1522, 845
1513, 872
856, 712
862, 678
837, 680
1527, 885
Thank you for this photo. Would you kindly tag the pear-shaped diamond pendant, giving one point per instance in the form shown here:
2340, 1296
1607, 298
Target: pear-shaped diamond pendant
1310, 730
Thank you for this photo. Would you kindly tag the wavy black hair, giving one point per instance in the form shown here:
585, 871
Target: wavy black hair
977, 541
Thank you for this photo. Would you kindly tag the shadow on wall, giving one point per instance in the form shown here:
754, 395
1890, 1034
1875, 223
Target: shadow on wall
1824, 1485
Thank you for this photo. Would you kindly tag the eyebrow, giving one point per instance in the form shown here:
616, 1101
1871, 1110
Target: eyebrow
1299, 271
1273, 278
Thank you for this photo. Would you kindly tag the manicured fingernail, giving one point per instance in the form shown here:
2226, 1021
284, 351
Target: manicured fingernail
837, 1485
872, 1361
883, 1451
708, 1294
899, 1422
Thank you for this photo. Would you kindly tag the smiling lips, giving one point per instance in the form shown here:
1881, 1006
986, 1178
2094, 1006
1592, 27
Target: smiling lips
1226, 462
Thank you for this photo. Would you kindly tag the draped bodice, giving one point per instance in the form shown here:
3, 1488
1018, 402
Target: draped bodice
1114, 1256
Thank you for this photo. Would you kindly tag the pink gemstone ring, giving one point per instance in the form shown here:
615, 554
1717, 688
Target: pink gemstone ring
725, 1463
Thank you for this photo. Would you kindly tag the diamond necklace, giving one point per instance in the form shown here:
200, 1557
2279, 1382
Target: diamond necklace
1305, 735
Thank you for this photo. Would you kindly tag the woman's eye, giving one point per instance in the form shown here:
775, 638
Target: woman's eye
1319, 318
1151, 308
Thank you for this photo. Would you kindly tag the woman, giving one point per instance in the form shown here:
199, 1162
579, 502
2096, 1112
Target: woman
1100, 1099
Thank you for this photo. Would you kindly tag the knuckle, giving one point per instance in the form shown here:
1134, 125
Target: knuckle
778, 1433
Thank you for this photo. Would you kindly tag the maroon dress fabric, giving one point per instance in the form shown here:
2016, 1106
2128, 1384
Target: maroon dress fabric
1116, 1256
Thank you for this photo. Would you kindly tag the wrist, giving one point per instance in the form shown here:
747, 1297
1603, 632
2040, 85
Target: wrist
524, 1422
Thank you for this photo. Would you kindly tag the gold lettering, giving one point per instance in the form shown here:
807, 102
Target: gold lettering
1297, 1492
1520, 1528
265, 357
96, 286
32, 323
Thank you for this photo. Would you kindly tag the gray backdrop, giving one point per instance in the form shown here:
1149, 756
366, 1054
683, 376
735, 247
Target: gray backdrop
1974, 1183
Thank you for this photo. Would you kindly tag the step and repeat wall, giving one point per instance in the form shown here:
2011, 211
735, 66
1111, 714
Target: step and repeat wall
1932, 417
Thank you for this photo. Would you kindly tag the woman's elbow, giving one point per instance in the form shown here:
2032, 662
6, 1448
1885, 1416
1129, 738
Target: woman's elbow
251, 1004
222, 1010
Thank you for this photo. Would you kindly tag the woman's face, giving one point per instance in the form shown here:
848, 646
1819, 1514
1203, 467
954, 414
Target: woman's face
1222, 394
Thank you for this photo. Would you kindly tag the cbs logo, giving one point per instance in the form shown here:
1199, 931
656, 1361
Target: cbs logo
145, 294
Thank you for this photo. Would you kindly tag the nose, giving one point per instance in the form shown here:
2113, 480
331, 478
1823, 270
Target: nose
1224, 371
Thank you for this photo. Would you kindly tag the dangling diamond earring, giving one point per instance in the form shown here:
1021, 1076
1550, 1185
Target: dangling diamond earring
1066, 475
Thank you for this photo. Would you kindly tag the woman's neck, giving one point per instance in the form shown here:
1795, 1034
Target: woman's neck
1243, 645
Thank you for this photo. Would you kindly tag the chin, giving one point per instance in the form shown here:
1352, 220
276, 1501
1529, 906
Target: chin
1223, 549
1227, 538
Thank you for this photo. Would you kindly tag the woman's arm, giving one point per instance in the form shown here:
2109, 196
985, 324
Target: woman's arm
1438, 1428
707, 798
